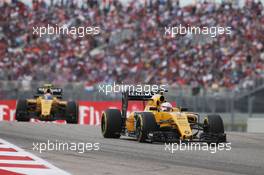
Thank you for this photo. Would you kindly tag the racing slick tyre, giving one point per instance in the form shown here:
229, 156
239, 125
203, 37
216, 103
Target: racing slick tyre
146, 123
21, 111
72, 112
214, 124
111, 123
213, 129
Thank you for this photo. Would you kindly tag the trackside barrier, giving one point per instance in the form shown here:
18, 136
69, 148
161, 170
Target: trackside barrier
255, 125
90, 114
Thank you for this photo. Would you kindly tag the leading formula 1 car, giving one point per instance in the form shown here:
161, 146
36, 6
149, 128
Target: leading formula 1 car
47, 105
156, 125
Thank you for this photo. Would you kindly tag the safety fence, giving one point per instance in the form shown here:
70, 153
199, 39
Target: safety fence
89, 111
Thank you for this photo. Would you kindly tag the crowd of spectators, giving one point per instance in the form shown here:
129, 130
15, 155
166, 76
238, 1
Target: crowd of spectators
132, 47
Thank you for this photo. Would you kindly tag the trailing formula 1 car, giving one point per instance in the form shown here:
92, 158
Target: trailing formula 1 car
159, 124
47, 105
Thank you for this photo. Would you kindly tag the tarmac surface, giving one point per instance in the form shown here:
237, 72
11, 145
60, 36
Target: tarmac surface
127, 156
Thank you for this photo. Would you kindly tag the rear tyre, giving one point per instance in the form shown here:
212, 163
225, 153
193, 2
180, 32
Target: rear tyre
111, 123
146, 123
21, 111
72, 112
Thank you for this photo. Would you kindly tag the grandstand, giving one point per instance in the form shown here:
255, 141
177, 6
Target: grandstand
226, 61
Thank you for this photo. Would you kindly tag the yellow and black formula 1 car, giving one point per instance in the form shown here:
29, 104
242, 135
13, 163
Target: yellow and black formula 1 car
156, 125
47, 105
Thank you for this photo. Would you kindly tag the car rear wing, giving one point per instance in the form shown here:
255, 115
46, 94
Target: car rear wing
54, 91
141, 96
137, 96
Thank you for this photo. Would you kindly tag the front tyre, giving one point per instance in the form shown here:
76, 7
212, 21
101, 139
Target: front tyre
111, 123
21, 111
72, 112
146, 124
213, 129
213, 124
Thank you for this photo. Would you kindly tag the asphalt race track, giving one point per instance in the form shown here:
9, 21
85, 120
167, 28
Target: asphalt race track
126, 156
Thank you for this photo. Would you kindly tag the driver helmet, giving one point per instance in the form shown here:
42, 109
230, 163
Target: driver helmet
48, 95
48, 91
166, 106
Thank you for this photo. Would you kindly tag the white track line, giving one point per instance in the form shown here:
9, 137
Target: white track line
45, 168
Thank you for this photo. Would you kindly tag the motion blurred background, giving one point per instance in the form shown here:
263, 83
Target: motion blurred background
209, 75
